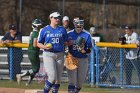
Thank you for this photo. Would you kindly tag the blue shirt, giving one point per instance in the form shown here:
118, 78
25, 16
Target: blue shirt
73, 49
56, 36
7, 36
17, 52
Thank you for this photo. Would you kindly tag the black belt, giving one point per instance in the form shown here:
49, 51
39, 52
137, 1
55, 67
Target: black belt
52, 51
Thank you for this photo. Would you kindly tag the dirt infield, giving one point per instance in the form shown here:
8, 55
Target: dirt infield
11, 90
17, 90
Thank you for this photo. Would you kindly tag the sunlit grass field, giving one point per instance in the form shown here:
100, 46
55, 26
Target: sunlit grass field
63, 87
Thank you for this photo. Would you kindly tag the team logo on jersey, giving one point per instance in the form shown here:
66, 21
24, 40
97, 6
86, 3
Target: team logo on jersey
54, 35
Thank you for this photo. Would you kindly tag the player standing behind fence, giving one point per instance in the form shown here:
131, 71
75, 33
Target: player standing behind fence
52, 39
77, 76
94, 33
132, 56
33, 53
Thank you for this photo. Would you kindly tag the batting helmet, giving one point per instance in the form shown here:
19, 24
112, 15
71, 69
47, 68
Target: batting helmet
36, 23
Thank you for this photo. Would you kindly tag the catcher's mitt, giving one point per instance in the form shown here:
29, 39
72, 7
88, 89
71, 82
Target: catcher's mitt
80, 41
71, 62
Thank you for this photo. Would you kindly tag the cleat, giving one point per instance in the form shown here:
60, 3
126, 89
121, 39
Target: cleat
27, 84
18, 76
29, 81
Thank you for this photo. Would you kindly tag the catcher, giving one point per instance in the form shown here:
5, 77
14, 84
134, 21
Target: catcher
80, 45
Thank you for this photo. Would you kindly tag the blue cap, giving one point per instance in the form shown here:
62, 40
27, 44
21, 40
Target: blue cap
12, 26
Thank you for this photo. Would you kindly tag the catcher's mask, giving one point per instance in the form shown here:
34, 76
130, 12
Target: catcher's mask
78, 22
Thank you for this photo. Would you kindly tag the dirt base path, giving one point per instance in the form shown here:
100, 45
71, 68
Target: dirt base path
17, 90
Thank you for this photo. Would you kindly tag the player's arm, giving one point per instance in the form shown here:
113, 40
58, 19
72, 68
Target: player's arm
35, 42
15, 41
4, 38
40, 40
40, 45
2, 41
89, 45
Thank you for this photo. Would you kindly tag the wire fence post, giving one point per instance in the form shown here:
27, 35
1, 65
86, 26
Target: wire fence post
92, 74
121, 65
11, 62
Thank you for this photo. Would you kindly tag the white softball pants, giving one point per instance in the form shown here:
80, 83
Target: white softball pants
53, 65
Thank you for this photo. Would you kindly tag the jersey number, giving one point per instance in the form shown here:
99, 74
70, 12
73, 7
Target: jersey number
75, 47
55, 40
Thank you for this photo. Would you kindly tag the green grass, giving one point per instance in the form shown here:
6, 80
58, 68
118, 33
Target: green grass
86, 87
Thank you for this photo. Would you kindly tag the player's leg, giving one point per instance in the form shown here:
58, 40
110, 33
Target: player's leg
72, 79
50, 69
35, 61
82, 72
128, 71
59, 70
136, 65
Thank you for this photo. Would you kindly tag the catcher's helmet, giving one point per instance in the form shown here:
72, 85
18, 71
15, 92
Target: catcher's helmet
78, 21
36, 23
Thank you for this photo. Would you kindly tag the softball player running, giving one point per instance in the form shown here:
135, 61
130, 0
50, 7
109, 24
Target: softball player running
33, 53
52, 39
77, 76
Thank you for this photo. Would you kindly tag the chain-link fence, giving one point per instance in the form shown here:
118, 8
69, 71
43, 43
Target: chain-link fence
109, 67
15, 60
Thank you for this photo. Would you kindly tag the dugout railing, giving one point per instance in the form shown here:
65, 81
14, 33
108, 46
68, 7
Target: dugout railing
107, 66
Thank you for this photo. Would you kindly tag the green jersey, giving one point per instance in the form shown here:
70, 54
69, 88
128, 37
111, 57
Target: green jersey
33, 34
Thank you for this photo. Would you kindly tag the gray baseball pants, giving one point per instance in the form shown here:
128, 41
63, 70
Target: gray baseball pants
77, 76
53, 65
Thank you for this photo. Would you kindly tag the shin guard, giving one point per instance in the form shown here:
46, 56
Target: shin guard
55, 88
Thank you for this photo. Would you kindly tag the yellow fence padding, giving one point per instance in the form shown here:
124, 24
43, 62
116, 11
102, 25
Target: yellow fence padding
115, 45
99, 44
18, 45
